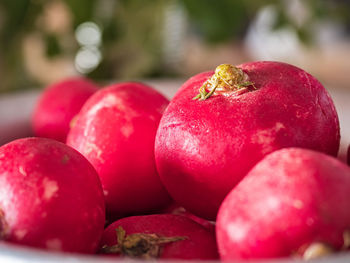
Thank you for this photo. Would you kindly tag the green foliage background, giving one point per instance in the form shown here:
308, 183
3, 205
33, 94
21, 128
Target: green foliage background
131, 40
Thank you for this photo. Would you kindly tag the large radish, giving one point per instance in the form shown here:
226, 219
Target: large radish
115, 131
220, 124
293, 203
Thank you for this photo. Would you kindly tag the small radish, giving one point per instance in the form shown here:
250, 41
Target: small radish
58, 105
115, 131
50, 197
220, 124
293, 203
163, 236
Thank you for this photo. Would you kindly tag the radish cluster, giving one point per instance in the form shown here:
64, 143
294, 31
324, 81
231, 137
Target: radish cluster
240, 164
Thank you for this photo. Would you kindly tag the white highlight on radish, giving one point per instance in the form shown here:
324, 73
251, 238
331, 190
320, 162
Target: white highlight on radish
22, 171
127, 129
237, 231
50, 188
266, 137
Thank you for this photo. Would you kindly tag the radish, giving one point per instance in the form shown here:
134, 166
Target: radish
219, 124
50, 197
115, 131
294, 203
163, 236
58, 105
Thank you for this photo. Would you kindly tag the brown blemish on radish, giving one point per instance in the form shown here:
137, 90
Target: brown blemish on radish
346, 238
65, 159
140, 245
73, 121
226, 79
317, 250
298, 204
3, 225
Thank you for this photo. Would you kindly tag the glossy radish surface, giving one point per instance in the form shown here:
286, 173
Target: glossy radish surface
162, 236
50, 197
293, 203
176, 209
220, 124
57, 106
115, 131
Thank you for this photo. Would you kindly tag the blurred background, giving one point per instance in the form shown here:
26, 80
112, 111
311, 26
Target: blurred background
114, 40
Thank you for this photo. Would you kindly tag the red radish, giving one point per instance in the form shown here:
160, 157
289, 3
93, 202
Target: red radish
176, 209
50, 197
163, 236
348, 156
294, 202
207, 143
115, 131
58, 105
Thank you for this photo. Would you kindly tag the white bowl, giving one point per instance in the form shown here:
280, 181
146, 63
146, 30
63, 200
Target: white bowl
15, 113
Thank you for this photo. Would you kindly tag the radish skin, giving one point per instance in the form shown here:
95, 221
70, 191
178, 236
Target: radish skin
57, 106
50, 197
187, 239
293, 203
205, 146
176, 209
115, 131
